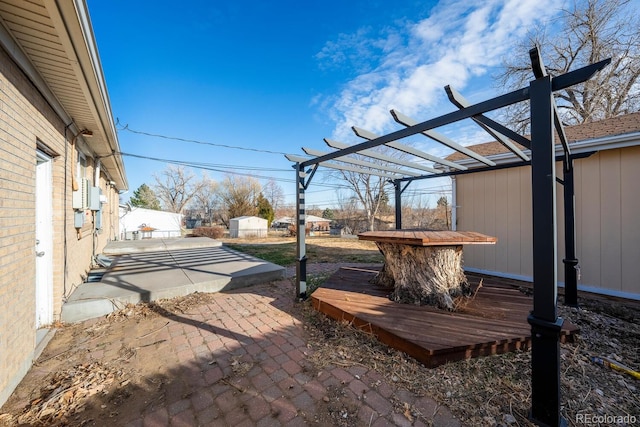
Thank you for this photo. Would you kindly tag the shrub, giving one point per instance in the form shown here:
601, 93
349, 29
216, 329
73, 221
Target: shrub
293, 229
212, 232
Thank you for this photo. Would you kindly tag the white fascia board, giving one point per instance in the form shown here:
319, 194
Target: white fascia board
609, 142
73, 25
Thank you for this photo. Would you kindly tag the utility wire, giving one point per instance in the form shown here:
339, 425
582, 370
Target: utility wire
216, 168
211, 168
175, 138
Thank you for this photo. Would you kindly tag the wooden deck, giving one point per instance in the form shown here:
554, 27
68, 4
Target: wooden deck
494, 322
428, 238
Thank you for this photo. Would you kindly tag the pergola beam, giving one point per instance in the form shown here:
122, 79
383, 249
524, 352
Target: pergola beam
362, 133
490, 126
437, 136
561, 82
357, 162
301, 160
370, 153
479, 108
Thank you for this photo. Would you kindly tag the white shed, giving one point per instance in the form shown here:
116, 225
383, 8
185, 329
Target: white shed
139, 223
247, 226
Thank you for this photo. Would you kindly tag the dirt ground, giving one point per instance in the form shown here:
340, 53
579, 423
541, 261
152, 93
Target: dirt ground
107, 370
320, 240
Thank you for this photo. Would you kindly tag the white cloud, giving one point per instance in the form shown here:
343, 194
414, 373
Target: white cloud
458, 42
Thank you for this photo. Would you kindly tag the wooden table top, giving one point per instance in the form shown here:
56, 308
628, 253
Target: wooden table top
428, 238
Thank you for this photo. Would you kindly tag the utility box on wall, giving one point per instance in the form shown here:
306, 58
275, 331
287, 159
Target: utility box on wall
78, 219
80, 198
94, 198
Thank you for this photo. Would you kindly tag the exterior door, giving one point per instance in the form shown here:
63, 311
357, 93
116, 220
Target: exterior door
44, 241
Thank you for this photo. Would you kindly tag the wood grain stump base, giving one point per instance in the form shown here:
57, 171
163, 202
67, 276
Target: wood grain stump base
424, 267
423, 275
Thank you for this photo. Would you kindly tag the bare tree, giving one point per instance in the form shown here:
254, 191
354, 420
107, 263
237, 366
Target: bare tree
273, 192
416, 212
238, 197
592, 30
349, 213
369, 189
205, 198
175, 187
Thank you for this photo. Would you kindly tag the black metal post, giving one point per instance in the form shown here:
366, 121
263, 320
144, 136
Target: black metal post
545, 325
398, 191
570, 261
301, 257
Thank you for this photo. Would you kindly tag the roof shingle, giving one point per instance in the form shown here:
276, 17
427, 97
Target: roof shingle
608, 127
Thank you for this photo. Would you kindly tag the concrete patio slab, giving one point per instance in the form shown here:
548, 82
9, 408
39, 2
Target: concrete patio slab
165, 269
122, 247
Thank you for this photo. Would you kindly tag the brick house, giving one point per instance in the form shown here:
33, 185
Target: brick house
59, 188
607, 201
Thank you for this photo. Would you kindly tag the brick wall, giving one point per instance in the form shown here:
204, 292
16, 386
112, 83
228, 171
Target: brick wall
26, 119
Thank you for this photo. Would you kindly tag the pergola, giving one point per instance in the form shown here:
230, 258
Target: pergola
544, 321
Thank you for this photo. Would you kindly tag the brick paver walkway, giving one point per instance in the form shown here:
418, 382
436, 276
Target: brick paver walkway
254, 371
238, 358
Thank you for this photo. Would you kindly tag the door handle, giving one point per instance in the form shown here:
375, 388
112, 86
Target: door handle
40, 254
37, 242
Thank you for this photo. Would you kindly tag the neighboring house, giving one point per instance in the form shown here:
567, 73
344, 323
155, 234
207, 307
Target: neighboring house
315, 222
139, 223
607, 188
59, 188
247, 226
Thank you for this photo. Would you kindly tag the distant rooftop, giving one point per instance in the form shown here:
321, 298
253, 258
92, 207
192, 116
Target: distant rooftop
614, 126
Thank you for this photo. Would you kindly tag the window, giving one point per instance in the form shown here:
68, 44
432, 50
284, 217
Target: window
81, 168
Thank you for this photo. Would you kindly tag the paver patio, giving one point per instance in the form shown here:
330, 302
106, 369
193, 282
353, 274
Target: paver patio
240, 358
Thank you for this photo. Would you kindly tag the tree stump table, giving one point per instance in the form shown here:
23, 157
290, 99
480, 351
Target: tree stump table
424, 267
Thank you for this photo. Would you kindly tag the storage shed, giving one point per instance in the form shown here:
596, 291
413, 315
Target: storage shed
139, 223
247, 226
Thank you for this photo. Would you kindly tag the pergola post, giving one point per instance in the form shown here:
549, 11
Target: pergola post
545, 324
570, 261
301, 250
397, 185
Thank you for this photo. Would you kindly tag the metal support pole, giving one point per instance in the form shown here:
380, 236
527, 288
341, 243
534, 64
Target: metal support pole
397, 186
545, 324
570, 261
301, 250
454, 204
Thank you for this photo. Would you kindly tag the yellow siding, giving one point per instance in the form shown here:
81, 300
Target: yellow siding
514, 221
588, 193
610, 197
629, 217
607, 189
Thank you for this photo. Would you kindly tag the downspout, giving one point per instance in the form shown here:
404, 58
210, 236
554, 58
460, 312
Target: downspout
96, 175
96, 183
64, 214
454, 204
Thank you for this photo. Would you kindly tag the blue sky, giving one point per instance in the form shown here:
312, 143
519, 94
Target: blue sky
271, 77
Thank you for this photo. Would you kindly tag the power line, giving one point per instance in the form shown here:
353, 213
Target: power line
195, 141
207, 165
215, 168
